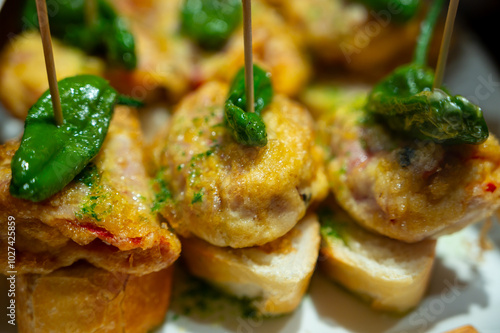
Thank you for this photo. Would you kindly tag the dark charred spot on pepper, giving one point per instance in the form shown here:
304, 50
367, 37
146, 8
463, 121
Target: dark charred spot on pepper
405, 156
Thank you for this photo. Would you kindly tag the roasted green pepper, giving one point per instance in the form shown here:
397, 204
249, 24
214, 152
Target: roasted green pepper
50, 156
210, 22
109, 32
400, 10
248, 128
406, 102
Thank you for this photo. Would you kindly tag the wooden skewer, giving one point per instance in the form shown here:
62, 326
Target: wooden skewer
90, 12
43, 20
445, 43
247, 40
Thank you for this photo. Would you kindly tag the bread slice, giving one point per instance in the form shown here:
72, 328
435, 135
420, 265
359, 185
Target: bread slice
390, 274
274, 275
84, 298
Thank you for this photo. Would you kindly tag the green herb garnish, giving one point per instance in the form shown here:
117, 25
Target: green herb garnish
331, 226
161, 190
197, 197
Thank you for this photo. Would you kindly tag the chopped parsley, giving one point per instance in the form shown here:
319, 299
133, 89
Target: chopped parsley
89, 175
198, 197
161, 191
198, 299
95, 205
330, 225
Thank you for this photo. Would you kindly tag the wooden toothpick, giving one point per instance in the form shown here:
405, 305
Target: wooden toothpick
43, 20
247, 40
445, 43
90, 12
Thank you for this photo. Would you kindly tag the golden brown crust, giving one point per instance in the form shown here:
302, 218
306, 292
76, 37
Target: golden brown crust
83, 298
232, 195
115, 210
407, 190
42, 249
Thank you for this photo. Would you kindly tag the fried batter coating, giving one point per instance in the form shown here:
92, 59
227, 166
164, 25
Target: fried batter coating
232, 195
103, 216
274, 48
23, 78
406, 189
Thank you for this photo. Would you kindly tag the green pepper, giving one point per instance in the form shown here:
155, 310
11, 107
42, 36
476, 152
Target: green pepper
109, 32
210, 22
50, 156
401, 10
248, 128
406, 103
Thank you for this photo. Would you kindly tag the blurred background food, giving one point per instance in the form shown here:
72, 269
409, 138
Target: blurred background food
479, 17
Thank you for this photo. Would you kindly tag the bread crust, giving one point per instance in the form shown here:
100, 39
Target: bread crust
83, 298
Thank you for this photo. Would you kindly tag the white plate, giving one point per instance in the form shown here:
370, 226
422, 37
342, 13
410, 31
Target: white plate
463, 290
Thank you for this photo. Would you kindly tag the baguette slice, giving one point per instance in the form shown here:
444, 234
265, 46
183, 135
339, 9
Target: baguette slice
275, 275
390, 274
84, 298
